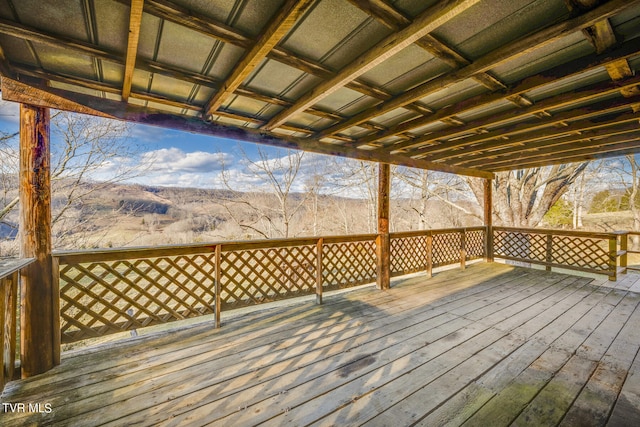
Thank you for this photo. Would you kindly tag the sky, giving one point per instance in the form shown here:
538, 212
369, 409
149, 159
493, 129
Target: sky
180, 159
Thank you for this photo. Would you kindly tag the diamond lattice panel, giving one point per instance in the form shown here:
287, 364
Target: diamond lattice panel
446, 248
256, 276
580, 252
474, 244
348, 264
408, 255
525, 246
107, 297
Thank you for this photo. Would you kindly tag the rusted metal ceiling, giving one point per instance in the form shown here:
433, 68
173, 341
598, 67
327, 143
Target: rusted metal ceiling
466, 86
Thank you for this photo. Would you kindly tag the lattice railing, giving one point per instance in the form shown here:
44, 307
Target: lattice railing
251, 275
136, 289
9, 278
348, 262
423, 250
590, 252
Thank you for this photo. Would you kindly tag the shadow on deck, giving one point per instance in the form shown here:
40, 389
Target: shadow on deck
492, 345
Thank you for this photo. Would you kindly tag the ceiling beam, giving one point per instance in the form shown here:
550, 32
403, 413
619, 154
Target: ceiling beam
426, 22
601, 36
151, 67
392, 18
43, 96
561, 151
561, 144
498, 56
285, 18
624, 121
5, 67
135, 19
628, 147
439, 140
560, 72
210, 27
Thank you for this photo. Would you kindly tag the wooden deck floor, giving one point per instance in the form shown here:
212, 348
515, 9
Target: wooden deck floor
494, 345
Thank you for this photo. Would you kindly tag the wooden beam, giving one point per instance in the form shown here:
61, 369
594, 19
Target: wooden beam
383, 241
498, 56
16, 91
488, 219
581, 131
5, 66
426, 22
277, 54
582, 122
439, 140
208, 26
49, 99
392, 18
574, 68
559, 149
135, 19
588, 154
284, 19
601, 35
37, 317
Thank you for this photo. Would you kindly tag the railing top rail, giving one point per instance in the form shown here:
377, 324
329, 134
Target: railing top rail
8, 266
400, 234
113, 254
598, 235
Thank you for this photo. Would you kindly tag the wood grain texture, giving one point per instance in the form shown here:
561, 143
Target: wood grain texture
38, 337
494, 344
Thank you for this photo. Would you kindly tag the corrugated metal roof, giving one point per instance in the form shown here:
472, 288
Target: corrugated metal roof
407, 84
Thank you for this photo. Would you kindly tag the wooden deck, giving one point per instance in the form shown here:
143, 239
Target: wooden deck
493, 345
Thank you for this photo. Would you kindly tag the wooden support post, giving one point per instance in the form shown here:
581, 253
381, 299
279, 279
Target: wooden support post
463, 249
383, 243
319, 278
549, 254
624, 247
217, 285
37, 309
57, 338
430, 254
488, 221
613, 258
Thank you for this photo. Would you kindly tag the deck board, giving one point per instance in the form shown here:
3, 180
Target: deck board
492, 345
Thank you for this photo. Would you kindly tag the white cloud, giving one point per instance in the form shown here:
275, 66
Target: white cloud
175, 161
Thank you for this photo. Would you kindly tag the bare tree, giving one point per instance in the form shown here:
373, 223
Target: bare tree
88, 154
255, 211
521, 198
426, 186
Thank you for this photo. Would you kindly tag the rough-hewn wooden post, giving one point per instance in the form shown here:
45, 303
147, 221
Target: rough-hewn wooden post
488, 220
218, 284
383, 244
38, 319
319, 273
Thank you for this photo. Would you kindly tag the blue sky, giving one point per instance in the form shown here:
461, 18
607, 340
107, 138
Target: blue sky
186, 160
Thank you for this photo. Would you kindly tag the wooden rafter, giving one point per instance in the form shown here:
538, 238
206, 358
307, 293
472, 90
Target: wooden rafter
135, 20
564, 100
561, 144
586, 154
41, 95
208, 26
392, 18
601, 35
429, 20
587, 130
507, 52
276, 29
145, 65
517, 88
558, 150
